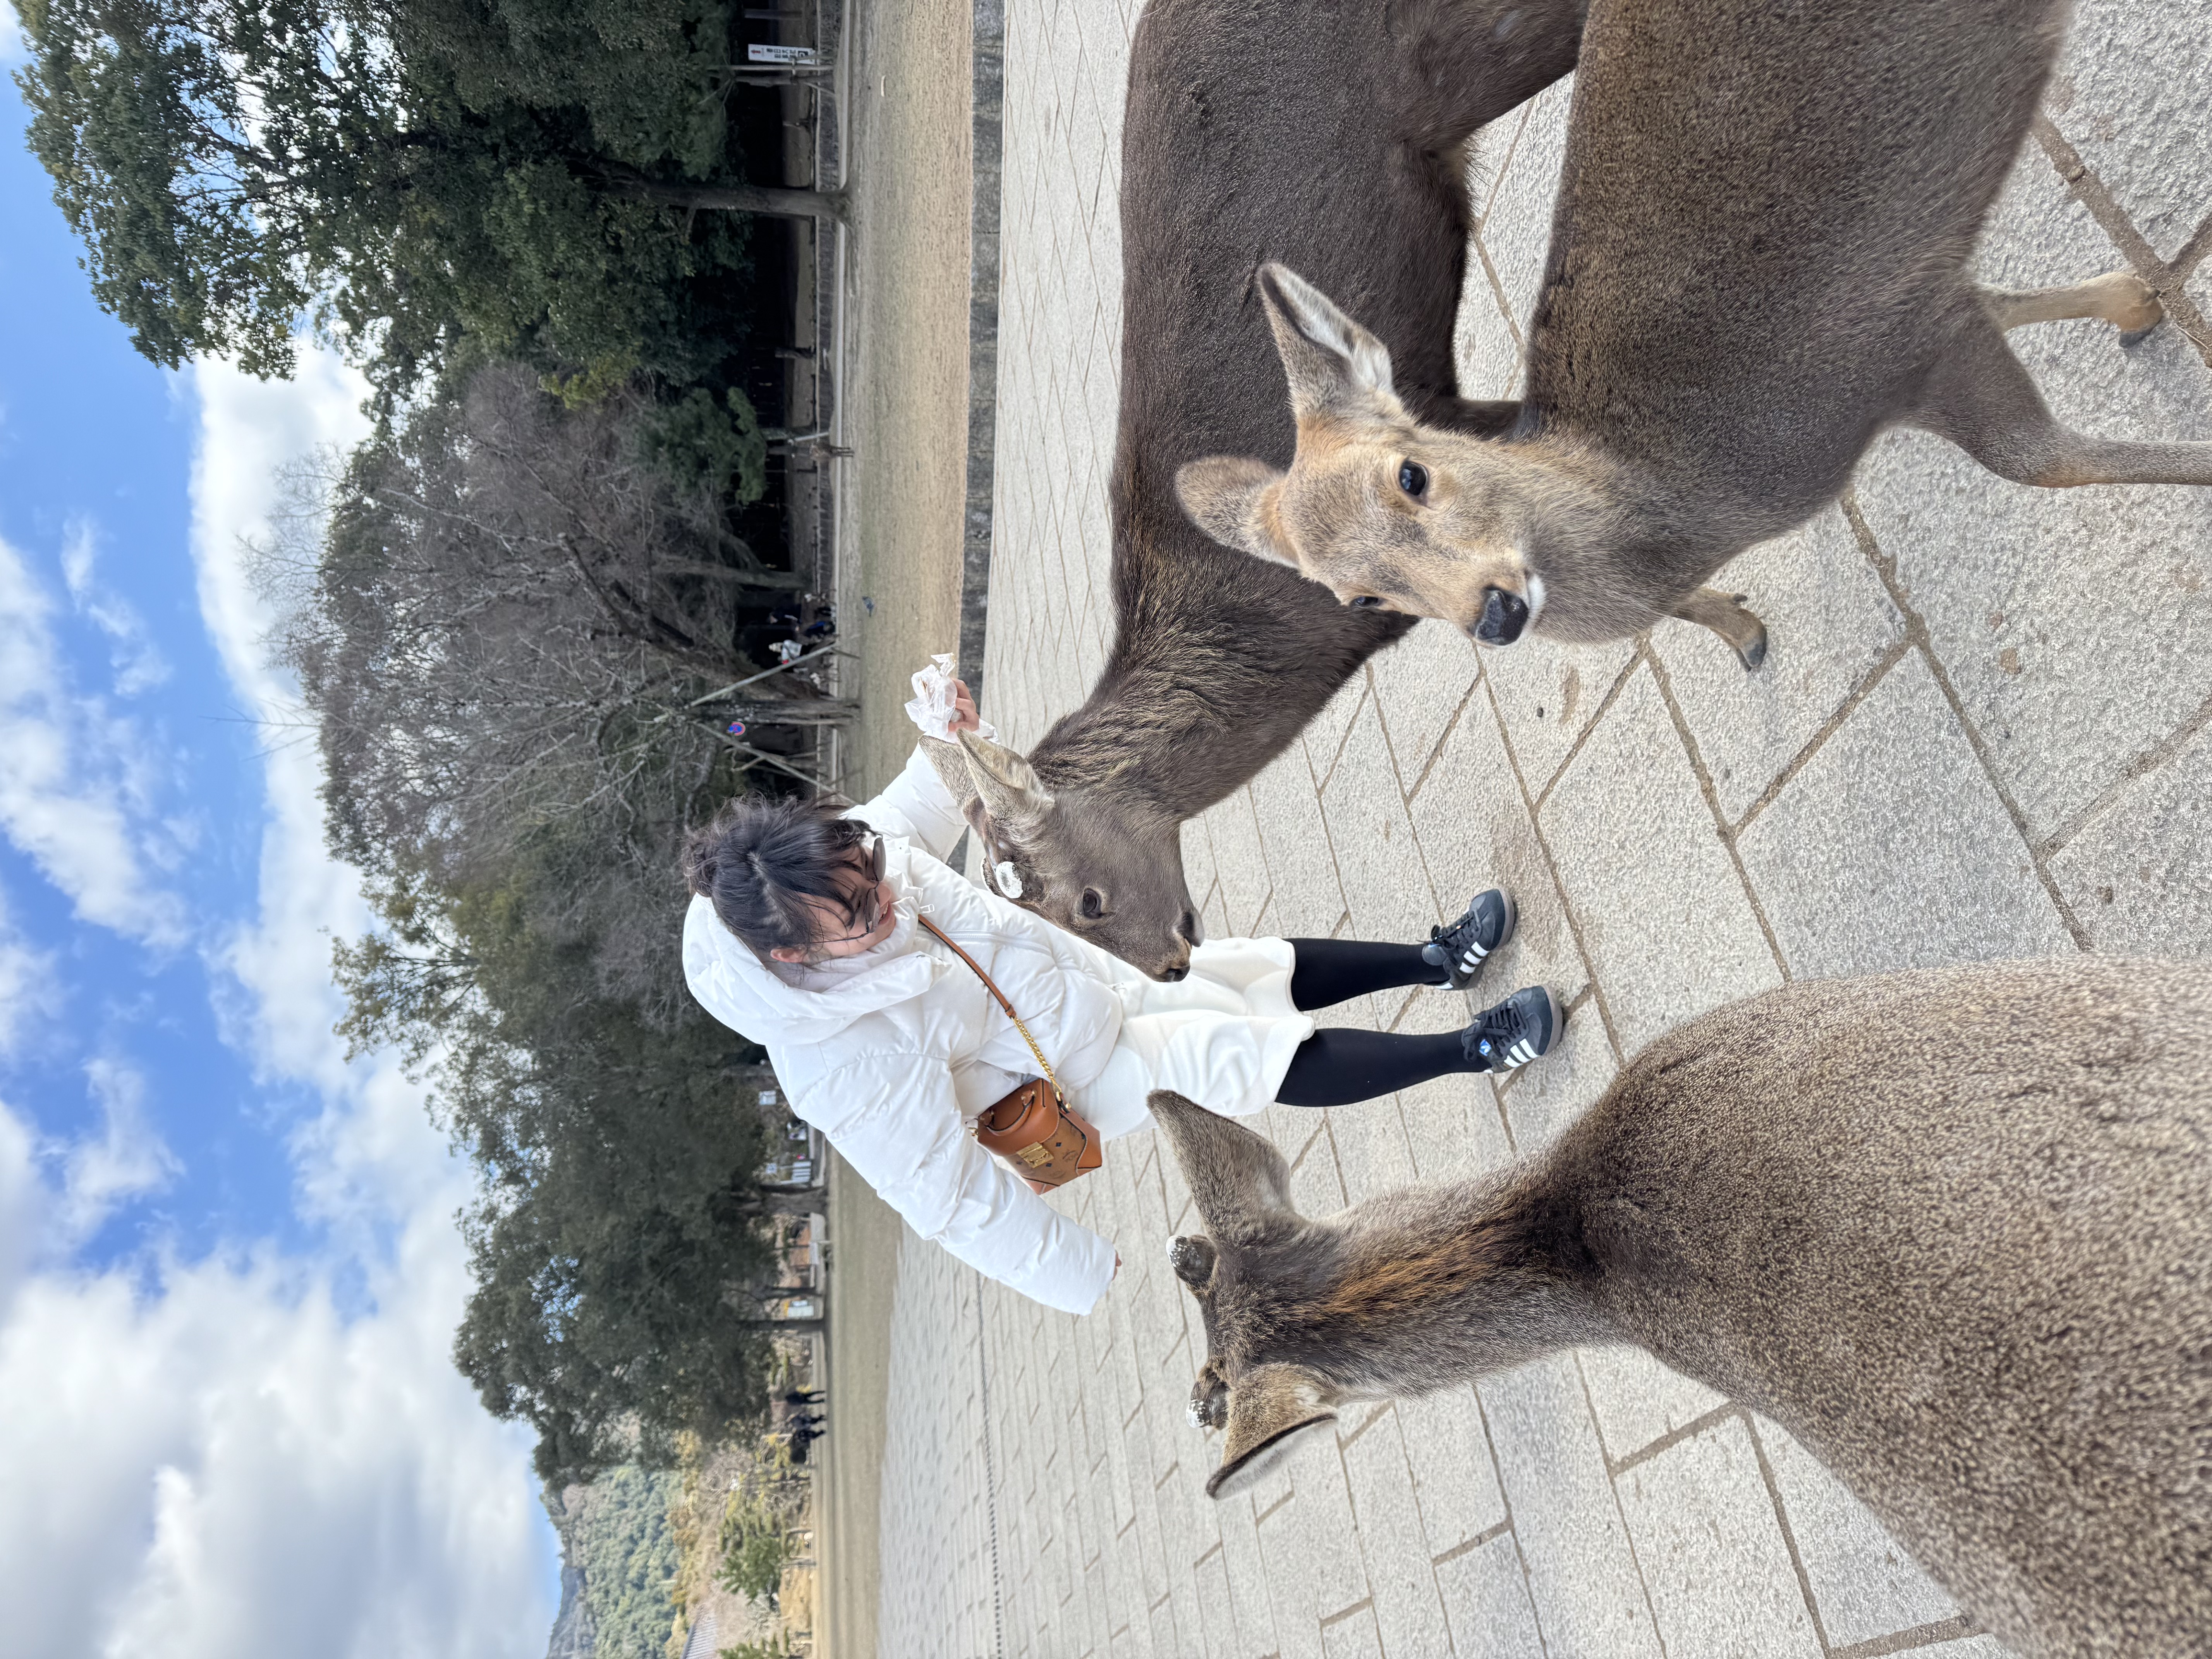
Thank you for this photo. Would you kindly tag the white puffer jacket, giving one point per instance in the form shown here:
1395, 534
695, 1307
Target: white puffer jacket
892, 1054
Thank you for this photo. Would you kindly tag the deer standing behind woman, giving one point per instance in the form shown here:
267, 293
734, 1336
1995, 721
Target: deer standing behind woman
1759, 261
1952, 1229
1330, 133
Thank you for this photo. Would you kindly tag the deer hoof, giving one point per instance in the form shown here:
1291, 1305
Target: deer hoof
1753, 651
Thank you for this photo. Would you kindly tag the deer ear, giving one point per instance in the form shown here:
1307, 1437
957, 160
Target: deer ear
1330, 360
1238, 1181
1273, 1409
950, 761
1237, 501
1004, 782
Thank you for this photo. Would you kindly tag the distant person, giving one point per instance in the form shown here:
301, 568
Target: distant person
802, 935
804, 1397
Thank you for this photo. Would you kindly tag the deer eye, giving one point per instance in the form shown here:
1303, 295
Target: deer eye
1093, 904
1363, 602
1414, 478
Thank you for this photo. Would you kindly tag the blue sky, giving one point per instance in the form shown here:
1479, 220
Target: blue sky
228, 1273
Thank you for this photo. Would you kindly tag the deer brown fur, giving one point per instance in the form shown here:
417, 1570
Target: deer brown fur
1952, 1229
1329, 133
1759, 261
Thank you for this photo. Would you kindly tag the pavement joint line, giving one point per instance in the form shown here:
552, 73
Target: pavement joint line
2192, 253
1363, 1604
1498, 292
1612, 1489
1866, 687
1705, 788
1262, 1516
1559, 885
2151, 760
1352, 721
1208, 1556
1344, 1441
1788, 1533
1917, 635
1168, 1476
1468, 1546
1604, 708
2089, 190
1903, 1641
1675, 1437
1505, 165
1444, 738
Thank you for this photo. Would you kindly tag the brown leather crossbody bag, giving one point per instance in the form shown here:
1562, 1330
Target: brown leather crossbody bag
1033, 1130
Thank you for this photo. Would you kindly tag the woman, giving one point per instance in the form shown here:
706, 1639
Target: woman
802, 935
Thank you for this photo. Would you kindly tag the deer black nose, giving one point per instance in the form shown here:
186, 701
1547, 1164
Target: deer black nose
1187, 928
1504, 615
1181, 970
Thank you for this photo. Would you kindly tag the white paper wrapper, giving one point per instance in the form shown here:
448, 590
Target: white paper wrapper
931, 709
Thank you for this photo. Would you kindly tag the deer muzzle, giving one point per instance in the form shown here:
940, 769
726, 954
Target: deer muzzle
1504, 615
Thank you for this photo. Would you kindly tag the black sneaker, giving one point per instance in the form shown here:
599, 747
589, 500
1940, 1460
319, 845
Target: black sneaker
1461, 949
1515, 1032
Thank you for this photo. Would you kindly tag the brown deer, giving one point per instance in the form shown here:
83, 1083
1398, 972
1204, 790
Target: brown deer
1759, 261
1951, 1229
1331, 135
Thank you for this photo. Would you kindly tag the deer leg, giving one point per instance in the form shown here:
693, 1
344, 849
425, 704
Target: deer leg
2120, 297
1983, 400
1724, 614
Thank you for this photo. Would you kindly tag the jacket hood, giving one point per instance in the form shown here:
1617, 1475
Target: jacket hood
746, 994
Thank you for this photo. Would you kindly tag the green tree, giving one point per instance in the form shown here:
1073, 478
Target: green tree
756, 1549
524, 173
618, 1531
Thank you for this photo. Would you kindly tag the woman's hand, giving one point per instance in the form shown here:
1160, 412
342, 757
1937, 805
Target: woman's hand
964, 717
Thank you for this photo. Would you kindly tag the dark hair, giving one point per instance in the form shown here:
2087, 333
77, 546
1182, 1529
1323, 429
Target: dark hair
760, 856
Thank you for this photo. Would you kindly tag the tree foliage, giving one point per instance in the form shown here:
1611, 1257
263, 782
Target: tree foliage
516, 635
756, 1548
512, 172
618, 1532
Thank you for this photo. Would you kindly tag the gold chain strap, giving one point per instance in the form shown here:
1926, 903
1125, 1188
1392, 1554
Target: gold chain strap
1043, 1064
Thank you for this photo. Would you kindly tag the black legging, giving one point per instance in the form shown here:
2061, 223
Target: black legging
1340, 1065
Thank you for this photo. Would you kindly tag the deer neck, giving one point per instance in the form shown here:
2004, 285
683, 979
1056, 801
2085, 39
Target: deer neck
1428, 1288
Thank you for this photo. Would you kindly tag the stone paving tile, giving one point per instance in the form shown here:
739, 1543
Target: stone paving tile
1979, 695
1830, 628
1890, 849
2138, 873
1637, 1400
1702, 1520
1454, 1481
1408, 1612
1865, 1586
1582, 1577
1486, 1596
2077, 625
1658, 903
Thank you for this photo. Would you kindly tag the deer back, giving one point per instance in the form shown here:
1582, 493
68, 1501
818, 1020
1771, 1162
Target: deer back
1953, 1230
1760, 241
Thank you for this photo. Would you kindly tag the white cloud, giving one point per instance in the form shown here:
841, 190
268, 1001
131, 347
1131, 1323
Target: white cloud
225, 1463
138, 665
370, 1167
126, 1159
12, 49
78, 783
27, 982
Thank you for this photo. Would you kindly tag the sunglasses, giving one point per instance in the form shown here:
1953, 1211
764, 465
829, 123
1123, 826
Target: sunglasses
867, 907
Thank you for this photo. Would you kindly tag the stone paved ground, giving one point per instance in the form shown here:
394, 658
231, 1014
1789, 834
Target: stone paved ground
1983, 731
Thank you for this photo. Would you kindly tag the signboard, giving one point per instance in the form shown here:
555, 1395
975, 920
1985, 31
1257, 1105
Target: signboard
803, 56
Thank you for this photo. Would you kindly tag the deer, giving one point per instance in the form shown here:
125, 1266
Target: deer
1759, 262
1322, 131
1951, 1228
